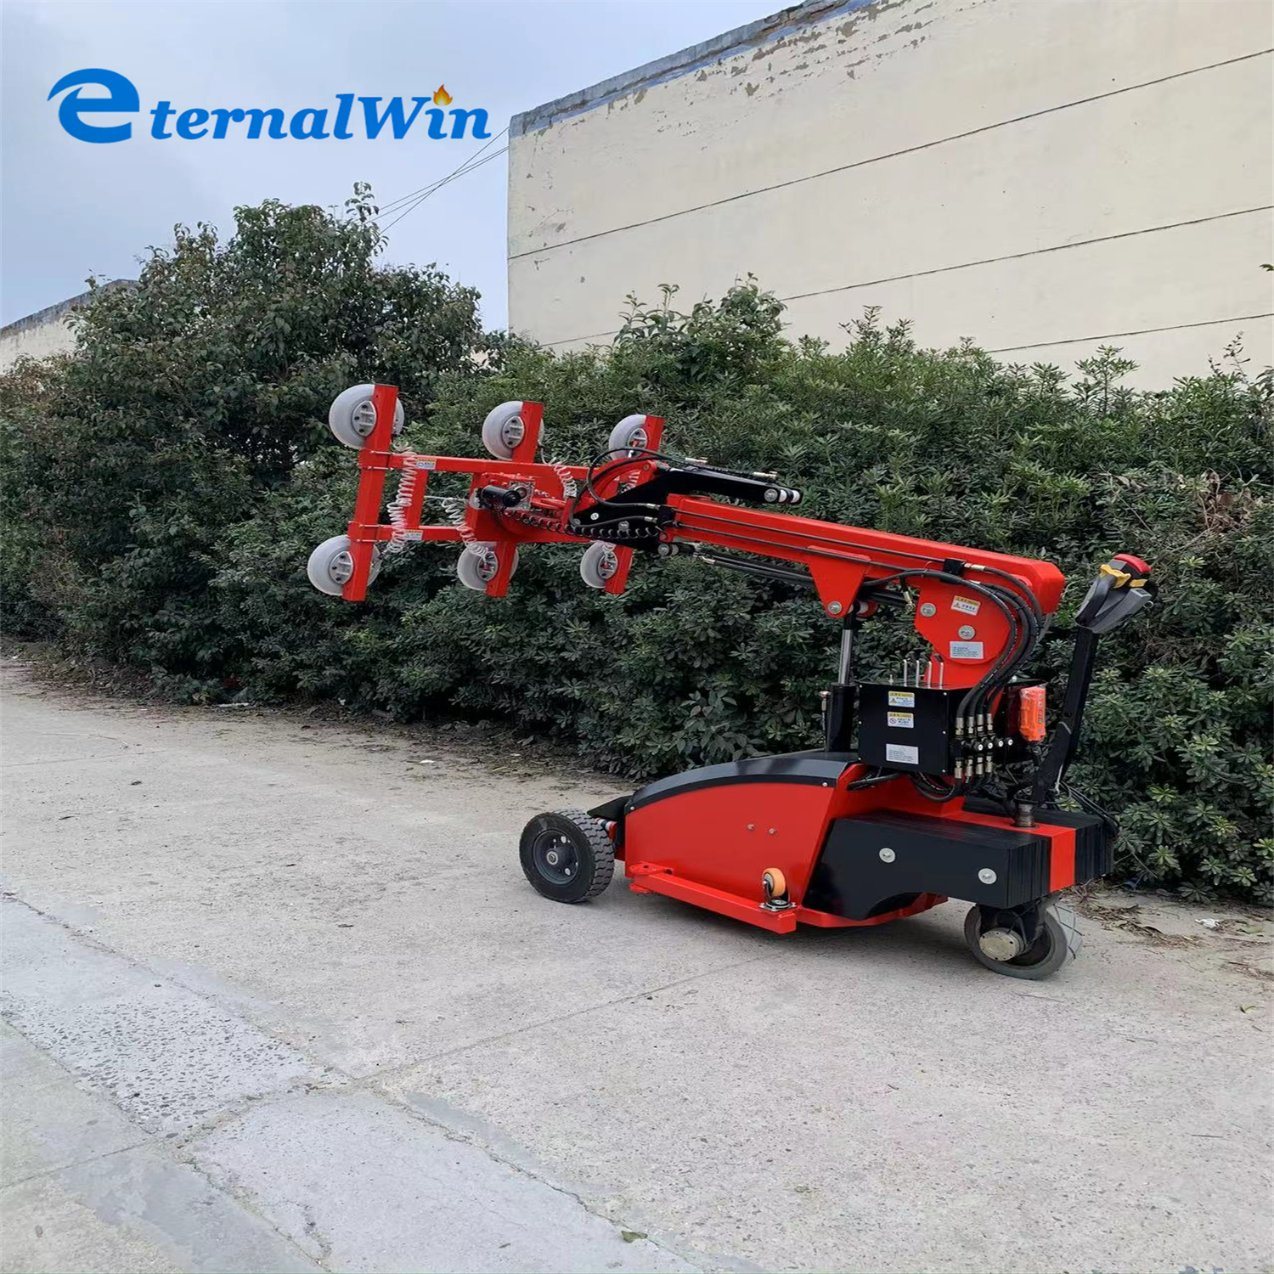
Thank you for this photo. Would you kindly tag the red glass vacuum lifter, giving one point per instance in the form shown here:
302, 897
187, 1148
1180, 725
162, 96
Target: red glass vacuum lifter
939, 783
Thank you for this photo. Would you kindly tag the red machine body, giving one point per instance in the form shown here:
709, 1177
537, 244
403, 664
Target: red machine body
937, 784
712, 845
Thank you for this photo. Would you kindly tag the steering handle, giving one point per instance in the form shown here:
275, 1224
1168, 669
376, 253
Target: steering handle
1123, 587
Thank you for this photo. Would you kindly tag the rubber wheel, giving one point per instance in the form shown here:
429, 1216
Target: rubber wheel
629, 435
776, 881
476, 570
352, 417
503, 429
1058, 942
567, 855
598, 565
331, 565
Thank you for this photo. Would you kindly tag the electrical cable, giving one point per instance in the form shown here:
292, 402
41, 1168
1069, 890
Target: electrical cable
463, 171
1092, 807
402, 199
939, 797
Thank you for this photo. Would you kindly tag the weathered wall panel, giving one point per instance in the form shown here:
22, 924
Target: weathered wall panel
37, 336
1030, 173
46, 332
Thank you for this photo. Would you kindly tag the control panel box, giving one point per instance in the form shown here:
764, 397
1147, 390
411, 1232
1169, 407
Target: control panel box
908, 728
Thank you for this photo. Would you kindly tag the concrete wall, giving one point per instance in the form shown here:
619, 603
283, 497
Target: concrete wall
1043, 176
45, 332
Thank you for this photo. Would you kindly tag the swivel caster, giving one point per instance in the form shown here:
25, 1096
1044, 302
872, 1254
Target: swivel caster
478, 564
352, 416
331, 565
1031, 944
774, 885
598, 565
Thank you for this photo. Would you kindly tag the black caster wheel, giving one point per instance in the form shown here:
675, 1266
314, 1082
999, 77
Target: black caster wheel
998, 944
567, 855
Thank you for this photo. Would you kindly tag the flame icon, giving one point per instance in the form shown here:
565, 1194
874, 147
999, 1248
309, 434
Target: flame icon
442, 97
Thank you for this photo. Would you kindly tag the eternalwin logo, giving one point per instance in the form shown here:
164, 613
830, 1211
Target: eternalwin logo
97, 117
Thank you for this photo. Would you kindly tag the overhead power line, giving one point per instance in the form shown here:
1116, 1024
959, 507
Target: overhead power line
402, 199
409, 202
462, 172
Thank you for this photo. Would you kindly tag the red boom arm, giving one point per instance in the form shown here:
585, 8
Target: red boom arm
522, 500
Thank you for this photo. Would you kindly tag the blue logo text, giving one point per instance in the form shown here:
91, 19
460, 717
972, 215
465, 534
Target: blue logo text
347, 117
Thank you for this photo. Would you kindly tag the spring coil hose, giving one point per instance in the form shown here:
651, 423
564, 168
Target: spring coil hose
408, 483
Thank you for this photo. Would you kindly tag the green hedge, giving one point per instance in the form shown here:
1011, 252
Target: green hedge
163, 488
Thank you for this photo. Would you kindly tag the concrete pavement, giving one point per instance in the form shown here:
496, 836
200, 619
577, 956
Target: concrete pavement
279, 998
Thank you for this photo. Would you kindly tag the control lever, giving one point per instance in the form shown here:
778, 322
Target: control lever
1122, 588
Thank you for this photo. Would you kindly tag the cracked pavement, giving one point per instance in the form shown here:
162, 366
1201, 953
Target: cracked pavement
276, 997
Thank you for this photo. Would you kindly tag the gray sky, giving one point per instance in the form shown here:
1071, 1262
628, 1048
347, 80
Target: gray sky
71, 209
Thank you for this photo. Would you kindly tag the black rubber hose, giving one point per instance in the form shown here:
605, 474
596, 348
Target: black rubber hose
982, 590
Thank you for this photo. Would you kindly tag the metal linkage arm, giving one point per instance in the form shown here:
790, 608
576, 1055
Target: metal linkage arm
689, 477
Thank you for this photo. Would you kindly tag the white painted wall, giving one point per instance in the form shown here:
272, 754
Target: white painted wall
1043, 176
38, 336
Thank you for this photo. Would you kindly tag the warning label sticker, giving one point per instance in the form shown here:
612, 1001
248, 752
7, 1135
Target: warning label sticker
902, 699
965, 605
902, 756
901, 720
967, 650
